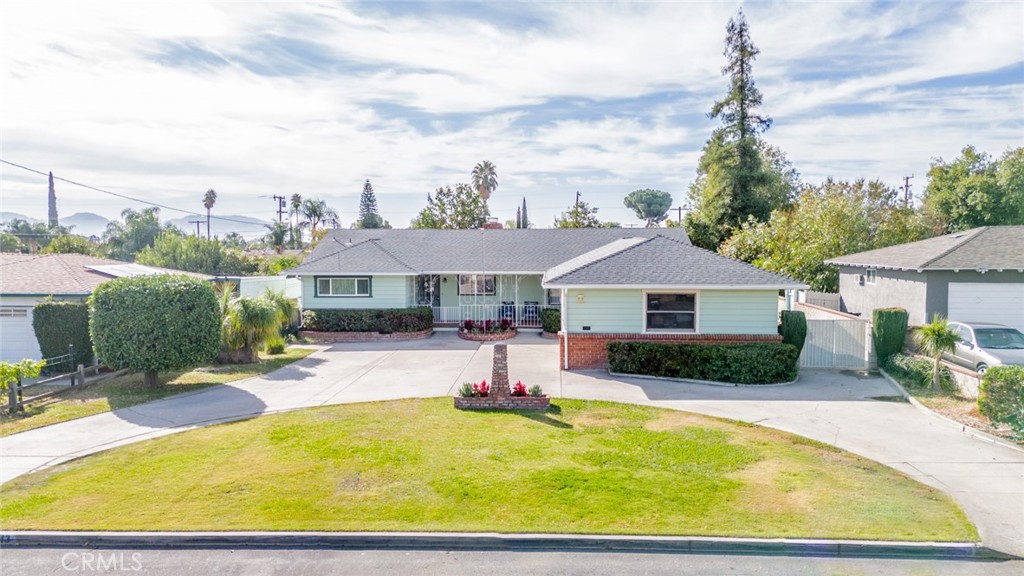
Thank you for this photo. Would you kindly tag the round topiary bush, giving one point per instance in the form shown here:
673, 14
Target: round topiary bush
155, 323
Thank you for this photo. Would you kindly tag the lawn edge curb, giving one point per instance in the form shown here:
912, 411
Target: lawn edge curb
969, 430
508, 542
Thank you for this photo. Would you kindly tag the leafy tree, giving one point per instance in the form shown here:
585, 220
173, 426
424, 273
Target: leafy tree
733, 180
449, 209
13, 372
234, 240
10, 243
274, 266
974, 191
33, 236
316, 212
830, 220
139, 230
194, 254
650, 205
580, 215
369, 215
209, 199
934, 339
69, 244
485, 179
155, 323
277, 235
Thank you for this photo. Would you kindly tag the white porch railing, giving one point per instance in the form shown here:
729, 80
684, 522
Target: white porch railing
521, 315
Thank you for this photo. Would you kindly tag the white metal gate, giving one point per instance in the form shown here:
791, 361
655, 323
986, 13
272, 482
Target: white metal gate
841, 344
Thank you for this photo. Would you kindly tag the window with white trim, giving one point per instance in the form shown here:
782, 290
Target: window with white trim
554, 297
672, 312
350, 287
476, 284
14, 312
871, 276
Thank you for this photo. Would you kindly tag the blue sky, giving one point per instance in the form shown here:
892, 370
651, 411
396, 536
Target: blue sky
163, 100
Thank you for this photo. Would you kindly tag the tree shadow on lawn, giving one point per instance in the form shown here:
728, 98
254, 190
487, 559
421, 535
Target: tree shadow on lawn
812, 385
216, 403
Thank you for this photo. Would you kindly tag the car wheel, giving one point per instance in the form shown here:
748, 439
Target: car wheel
981, 369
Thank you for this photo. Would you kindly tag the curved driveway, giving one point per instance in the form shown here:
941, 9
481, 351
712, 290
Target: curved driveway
985, 478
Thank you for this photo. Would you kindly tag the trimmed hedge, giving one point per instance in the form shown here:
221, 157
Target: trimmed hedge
551, 320
888, 331
793, 328
755, 363
383, 320
155, 323
1002, 396
58, 324
915, 374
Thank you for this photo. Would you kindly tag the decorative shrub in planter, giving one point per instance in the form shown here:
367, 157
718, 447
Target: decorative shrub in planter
499, 395
551, 320
487, 331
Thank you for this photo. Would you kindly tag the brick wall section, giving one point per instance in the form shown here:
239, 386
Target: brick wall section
335, 337
589, 351
487, 337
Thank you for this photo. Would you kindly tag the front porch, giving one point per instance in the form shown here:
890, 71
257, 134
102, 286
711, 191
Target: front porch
455, 298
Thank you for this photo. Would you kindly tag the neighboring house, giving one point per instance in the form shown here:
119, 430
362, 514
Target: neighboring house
610, 284
971, 276
26, 279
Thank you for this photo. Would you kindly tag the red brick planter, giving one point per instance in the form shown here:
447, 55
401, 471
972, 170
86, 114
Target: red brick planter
487, 336
506, 403
336, 337
549, 335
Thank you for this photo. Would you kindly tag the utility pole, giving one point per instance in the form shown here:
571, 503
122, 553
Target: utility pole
679, 211
197, 223
280, 207
577, 198
907, 196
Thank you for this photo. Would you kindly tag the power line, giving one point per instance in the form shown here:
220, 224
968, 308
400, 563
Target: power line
126, 197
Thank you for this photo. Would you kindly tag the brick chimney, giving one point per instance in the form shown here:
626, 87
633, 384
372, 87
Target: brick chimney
492, 224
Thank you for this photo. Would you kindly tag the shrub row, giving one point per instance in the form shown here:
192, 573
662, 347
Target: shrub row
380, 320
888, 331
793, 328
551, 320
58, 324
916, 373
1002, 396
756, 363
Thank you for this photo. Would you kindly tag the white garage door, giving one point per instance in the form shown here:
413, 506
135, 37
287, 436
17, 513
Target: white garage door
17, 338
977, 302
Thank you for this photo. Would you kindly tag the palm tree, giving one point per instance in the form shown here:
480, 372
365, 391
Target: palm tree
296, 210
934, 339
316, 212
209, 199
485, 179
276, 235
248, 322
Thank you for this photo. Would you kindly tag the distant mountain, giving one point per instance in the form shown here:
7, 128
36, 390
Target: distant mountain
244, 225
8, 216
86, 223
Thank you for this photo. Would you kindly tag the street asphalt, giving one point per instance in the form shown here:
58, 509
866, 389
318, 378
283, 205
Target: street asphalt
985, 478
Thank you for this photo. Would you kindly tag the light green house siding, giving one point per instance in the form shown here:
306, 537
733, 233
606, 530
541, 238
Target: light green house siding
605, 311
738, 311
718, 311
387, 292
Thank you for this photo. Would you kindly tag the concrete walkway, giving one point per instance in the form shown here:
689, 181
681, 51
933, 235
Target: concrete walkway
986, 479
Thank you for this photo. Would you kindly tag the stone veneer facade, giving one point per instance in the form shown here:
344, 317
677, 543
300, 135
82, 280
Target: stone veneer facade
589, 351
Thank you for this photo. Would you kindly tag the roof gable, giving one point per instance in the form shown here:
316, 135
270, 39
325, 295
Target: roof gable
63, 274
986, 248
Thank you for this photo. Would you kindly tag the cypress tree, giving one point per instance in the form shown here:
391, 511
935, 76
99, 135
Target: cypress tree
524, 219
53, 204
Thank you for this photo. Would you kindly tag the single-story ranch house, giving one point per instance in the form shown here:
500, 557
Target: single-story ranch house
26, 279
971, 276
609, 283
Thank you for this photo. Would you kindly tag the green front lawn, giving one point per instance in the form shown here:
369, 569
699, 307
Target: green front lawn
130, 390
582, 467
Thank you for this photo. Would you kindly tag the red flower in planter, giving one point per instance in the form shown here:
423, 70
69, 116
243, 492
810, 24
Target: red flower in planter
482, 389
467, 325
519, 389
488, 325
506, 324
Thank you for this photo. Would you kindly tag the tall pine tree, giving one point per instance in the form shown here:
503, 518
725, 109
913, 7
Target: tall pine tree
369, 215
733, 182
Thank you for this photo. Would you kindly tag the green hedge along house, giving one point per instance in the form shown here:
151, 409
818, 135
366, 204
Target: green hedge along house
610, 284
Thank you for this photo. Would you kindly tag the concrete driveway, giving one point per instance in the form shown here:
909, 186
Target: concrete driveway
987, 479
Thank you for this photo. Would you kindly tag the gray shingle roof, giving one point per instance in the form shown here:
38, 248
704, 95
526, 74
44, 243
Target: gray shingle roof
451, 251
662, 261
59, 274
986, 248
